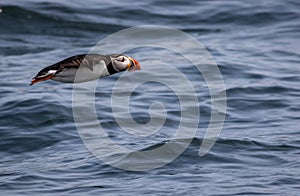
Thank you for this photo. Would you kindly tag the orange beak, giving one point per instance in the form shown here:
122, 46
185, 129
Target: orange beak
137, 64
36, 80
135, 67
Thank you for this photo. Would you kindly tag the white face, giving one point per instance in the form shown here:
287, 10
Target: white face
121, 63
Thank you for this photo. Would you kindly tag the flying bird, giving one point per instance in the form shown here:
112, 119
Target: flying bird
91, 66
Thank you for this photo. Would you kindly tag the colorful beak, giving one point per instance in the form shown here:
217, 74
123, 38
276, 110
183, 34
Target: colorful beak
136, 65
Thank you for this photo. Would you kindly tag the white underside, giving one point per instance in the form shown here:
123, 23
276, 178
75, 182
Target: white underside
82, 74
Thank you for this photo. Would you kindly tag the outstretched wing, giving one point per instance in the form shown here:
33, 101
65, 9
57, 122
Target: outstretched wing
88, 60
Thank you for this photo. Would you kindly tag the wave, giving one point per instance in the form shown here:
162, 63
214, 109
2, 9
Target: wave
23, 20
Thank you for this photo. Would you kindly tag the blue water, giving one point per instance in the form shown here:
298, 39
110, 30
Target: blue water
254, 43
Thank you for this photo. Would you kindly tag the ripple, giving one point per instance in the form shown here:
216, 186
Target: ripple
256, 47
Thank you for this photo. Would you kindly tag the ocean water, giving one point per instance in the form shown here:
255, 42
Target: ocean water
256, 47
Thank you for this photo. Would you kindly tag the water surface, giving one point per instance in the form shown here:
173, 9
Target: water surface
255, 44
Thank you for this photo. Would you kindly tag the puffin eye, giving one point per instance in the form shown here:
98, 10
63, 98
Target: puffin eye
120, 58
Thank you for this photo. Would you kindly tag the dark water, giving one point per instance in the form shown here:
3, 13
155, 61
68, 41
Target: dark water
255, 44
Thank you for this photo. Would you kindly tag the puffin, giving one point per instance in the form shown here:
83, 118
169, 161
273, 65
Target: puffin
91, 66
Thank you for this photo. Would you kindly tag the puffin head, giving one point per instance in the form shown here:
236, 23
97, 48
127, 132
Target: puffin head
123, 63
44, 74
